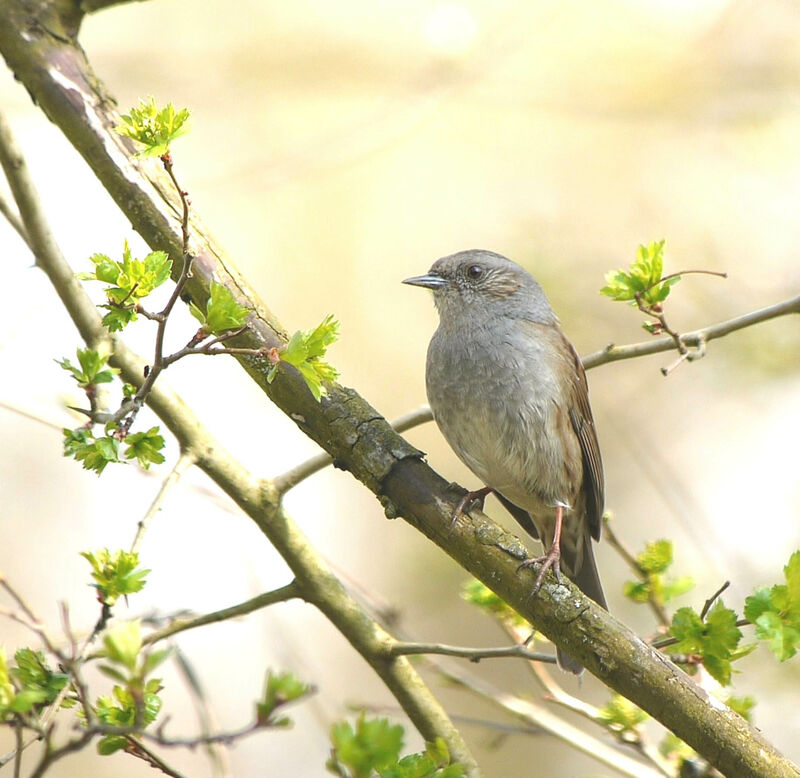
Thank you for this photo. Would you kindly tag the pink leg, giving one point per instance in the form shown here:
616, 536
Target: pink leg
551, 559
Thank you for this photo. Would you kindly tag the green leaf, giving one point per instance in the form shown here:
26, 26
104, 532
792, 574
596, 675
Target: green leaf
153, 127
197, 313
374, 744
105, 269
621, 715
305, 351
145, 447
643, 279
676, 587
123, 642
7, 691
775, 612
110, 744
38, 684
118, 318
483, 597
656, 557
116, 574
638, 591
91, 368
154, 659
93, 453
742, 705
129, 281
715, 640
223, 313
279, 689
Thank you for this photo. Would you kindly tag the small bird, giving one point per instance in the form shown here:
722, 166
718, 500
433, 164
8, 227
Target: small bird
509, 394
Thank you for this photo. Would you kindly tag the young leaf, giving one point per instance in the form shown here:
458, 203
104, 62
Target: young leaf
116, 574
7, 691
715, 640
775, 612
373, 745
484, 598
92, 368
38, 684
305, 351
123, 642
656, 557
145, 447
279, 689
643, 279
223, 313
154, 128
622, 716
93, 453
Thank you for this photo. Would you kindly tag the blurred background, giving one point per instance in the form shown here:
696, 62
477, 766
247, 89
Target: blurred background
338, 148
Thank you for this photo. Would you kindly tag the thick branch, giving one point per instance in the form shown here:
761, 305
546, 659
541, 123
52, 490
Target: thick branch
360, 440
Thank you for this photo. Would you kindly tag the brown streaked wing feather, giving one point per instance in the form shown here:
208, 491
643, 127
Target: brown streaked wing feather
580, 415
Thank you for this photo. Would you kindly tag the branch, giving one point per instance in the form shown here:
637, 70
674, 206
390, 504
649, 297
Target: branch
185, 461
473, 654
358, 439
538, 716
14, 220
284, 594
696, 338
259, 500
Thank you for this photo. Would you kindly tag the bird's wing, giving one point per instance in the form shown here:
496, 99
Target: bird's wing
580, 415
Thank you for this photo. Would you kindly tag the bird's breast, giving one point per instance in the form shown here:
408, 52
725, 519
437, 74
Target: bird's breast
500, 405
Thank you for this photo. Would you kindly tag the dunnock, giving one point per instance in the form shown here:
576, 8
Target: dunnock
509, 394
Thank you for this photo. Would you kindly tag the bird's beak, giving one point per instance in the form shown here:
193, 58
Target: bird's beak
429, 281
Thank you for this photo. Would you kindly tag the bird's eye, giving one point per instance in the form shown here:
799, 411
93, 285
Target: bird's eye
474, 272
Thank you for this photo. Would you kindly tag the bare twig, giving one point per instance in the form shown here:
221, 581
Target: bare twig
695, 337
285, 593
185, 461
538, 716
13, 219
473, 654
710, 601
29, 618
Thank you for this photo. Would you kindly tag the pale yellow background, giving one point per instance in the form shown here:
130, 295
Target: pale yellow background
338, 148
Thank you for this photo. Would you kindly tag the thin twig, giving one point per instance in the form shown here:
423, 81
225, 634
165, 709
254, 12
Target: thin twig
538, 716
285, 593
141, 751
710, 601
695, 338
185, 461
473, 654
14, 220
217, 752
33, 621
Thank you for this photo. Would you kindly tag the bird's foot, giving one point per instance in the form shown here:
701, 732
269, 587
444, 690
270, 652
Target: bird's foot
469, 501
550, 561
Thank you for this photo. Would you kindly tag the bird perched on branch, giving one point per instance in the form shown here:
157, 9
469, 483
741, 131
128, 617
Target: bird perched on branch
509, 394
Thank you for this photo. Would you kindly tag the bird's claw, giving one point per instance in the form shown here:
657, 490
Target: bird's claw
549, 561
469, 501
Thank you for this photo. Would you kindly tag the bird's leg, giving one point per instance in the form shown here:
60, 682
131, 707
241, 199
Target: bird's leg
478, 496
552, 559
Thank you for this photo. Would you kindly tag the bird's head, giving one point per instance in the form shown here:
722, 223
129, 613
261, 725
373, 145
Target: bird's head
480, 284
